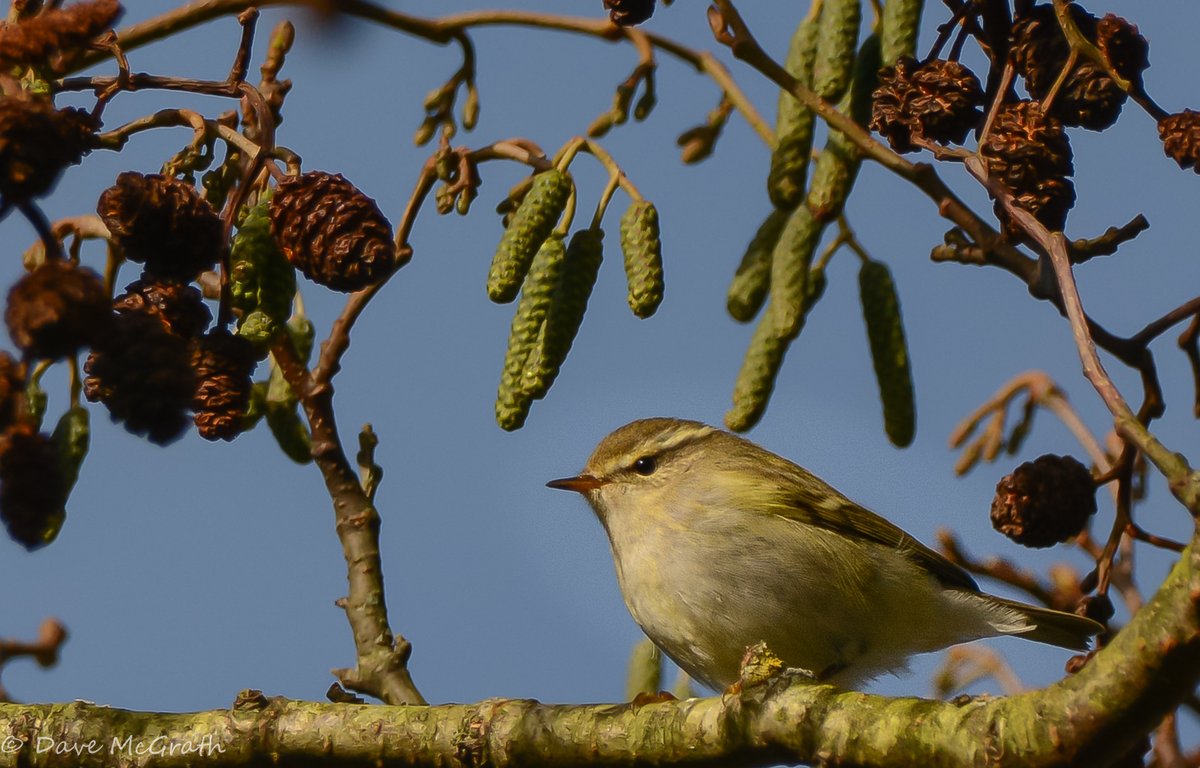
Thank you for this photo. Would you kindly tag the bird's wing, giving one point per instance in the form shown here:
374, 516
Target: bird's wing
826, 508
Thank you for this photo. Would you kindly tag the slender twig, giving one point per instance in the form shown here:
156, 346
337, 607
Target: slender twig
1005, 571
994, 248
966, 665
1156, 328
1041, 391
1006, 78
1058, 405
338, 342
41, 225
241, 62
164, 118
1122, 579
614, 170
605, 197
1168, 752
1108, 243
1082, 46
1189, 342
1122, 520
44, 650
382, 657
1184, 482
1047, 103
1161, 542
444, 31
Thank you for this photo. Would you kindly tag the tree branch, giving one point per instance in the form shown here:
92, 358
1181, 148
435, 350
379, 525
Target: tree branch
382, 658
1085, 719
443, 31
1184, 482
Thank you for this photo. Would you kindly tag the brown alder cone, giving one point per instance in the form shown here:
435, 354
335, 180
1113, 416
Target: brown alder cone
180, 308
144, 377
37, 141
163, 223
627, 13
35, 40
12, 390
223, 364
938, 101
32, 491
1096, 607
1030, 154
1045, 501
1088, 97
1180, 134
57, 309
332, 232
1123, 47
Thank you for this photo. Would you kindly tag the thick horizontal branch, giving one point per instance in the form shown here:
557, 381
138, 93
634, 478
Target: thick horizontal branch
1085, 719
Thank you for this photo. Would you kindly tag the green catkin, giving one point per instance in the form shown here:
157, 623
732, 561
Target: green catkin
790, 263
71, 437
512, 403
794, 121
889, 352
36, 401
764, 357
645, 670
642, 250
280, 403
756, 379
289, 431
565, 314
837, 41
837, 165
834, 174
814, 289
70, 440
752, 280
261, 281
256, 407
530, 225
898, 29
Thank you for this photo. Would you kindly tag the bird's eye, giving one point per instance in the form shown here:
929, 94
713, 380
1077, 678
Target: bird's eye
645, 465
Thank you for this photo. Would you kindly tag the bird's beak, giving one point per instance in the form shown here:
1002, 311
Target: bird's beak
579, 483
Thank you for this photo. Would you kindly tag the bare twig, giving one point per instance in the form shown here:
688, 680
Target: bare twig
1081, 46
1055, 595
1188, 343
1040, 391
332, 349
1156, 328
1108, 243
44, 650
965, 665
1185, 483
382, 657
443, 31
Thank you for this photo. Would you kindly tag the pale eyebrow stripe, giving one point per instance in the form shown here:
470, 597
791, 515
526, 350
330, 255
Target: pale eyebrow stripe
683, 436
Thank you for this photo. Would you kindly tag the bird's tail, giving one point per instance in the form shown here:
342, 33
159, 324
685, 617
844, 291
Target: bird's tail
1045, 625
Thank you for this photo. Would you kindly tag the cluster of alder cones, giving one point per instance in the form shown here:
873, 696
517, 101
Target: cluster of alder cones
154, 357
937, 102
153, 354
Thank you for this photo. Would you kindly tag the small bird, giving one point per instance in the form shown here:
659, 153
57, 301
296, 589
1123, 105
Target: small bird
720, 544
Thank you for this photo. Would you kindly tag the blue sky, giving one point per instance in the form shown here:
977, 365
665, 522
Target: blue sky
188, 573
